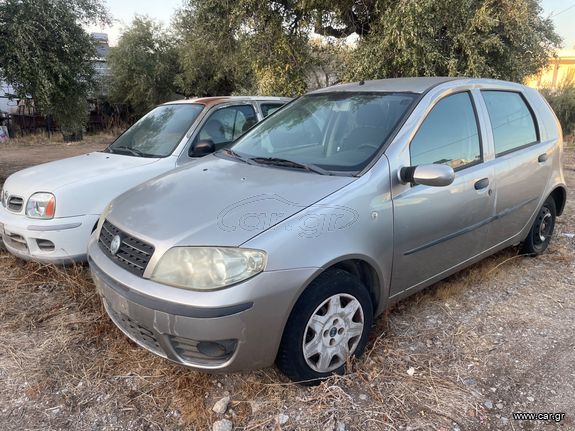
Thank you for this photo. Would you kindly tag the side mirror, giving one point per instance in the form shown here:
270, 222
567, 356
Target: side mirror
202, 148
429, 175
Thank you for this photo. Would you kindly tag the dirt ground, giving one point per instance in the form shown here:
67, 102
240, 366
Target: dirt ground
464, 354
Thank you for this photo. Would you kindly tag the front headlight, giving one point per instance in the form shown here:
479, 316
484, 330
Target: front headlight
207, 268
41, 205
3, 198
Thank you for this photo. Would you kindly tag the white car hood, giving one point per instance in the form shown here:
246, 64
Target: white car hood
49, 177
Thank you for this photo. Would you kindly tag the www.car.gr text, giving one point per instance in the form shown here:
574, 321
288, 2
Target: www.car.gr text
524, 416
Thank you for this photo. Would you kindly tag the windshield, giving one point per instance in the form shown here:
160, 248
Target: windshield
333, 131
158, 132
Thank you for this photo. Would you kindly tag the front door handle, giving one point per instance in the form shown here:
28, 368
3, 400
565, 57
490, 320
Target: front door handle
542, 158
481, 184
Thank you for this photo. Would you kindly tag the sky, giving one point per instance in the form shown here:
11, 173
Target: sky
561, 11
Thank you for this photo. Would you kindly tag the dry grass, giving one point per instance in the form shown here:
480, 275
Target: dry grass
56, 139
79, 355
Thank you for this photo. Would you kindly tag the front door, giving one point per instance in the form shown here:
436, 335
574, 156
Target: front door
436, 228
226, 124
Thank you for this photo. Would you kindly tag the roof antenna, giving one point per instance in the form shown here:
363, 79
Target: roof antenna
361, 82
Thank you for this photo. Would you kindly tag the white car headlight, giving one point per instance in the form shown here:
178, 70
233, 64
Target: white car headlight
3, 198
41, 205
208, 268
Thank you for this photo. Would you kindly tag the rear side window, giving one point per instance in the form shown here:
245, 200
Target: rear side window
448, 135
270, 108
511, 120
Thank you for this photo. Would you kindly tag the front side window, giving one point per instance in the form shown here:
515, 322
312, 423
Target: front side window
227, 124
511, 120
333, 131
158, 133
448, 135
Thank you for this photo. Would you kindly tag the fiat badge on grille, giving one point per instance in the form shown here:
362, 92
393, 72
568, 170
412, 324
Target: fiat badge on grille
115, 244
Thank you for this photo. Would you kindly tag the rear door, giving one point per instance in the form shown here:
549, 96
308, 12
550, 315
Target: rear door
437, 228
521, 163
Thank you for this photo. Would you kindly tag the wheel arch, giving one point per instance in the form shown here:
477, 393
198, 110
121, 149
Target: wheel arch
363, 268
559, 195
366, 273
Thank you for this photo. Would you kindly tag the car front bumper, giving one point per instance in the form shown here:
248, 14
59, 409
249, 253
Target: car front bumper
60, 240
233, 329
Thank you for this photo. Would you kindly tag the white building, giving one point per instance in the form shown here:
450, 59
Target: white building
100, 62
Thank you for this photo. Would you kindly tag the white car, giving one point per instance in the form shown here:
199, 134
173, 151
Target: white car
49, 211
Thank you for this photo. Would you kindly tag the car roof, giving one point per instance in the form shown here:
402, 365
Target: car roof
412, 85
210, 101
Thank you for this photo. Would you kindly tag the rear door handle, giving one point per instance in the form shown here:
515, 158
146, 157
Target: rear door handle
542, 158
481, 184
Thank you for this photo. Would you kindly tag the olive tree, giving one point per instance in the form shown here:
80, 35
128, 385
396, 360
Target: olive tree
504, 39
240, 47
269, 46
143, 66
47, 54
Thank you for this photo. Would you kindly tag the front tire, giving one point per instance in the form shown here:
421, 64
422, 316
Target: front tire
542, 229
329, 323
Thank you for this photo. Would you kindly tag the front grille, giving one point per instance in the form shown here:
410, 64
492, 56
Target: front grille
133, 254
15, 203
138, 332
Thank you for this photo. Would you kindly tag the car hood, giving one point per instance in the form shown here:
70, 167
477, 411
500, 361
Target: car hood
217, 201
49, 177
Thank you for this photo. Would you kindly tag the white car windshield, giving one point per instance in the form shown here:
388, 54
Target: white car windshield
326, 132
157, 133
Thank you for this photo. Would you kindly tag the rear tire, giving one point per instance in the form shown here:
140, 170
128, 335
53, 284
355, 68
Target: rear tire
329, 322
542, 229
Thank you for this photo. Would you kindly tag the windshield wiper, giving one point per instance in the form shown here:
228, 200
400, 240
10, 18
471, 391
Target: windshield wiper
235, 155
131, 151
276, 161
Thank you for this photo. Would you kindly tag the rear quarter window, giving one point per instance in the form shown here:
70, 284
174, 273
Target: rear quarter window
512, 121
270, 108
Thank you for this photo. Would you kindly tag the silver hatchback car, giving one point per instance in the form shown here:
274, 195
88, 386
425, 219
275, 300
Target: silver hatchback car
285, 247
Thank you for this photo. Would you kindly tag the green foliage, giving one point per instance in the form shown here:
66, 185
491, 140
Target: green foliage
143, 66
247, 46
504, 39
46, 53
277, 45
264, 47
562, 100
329, 57
210, 56
251, 46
